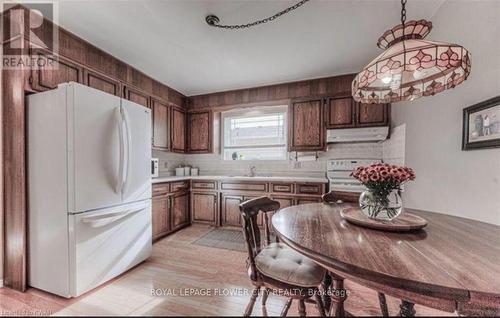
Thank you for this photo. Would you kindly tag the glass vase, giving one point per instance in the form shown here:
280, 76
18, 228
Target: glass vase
381, 207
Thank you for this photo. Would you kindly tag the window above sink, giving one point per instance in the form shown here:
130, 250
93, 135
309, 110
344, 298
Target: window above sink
255, 134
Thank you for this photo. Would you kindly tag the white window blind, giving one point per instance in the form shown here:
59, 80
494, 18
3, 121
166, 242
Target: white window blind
255, 135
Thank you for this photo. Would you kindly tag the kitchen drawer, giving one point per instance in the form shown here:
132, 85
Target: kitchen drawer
244, 186
209, 185
307, 200
310, 188
161, 189
281, 187
179, 186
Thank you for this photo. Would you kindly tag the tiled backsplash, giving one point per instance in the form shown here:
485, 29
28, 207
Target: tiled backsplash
393, 149
168, 160
212, 164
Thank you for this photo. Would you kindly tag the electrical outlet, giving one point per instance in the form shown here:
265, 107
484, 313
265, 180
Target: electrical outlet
297, 165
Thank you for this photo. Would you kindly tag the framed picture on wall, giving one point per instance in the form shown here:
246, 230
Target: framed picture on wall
481, 126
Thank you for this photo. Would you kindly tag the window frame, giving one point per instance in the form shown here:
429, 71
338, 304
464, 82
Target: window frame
251, 112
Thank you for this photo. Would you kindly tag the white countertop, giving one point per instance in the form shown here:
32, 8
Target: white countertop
241, 178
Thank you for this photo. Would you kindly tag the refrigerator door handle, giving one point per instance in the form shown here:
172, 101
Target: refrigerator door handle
121, 164
102, 220
127, 157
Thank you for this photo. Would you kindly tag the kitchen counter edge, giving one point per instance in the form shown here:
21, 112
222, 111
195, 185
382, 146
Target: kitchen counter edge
238, 178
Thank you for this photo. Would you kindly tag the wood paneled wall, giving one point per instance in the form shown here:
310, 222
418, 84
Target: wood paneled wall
330, 86
79, 50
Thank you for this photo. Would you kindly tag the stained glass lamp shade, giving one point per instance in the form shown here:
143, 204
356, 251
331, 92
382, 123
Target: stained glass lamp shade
411, 67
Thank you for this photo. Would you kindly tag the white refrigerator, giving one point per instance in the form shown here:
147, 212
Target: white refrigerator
89, 184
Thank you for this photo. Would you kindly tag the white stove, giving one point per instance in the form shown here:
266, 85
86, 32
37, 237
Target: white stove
339, 174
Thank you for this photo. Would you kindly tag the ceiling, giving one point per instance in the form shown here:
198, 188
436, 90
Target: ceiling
170, 41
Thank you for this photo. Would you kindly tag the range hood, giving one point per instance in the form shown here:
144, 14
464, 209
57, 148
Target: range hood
357, 134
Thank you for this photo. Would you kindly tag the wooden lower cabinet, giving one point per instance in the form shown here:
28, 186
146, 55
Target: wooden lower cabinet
217, 202
170, 209
160, 216
306, 200
230, 213
180, 210
284, 201
204, 207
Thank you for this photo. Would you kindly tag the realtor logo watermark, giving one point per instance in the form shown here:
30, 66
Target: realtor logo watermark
28, 42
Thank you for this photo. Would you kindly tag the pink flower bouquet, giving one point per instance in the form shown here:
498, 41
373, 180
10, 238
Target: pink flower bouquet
382, 179
383, 175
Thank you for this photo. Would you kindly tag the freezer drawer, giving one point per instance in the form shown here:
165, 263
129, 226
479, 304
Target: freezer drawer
107, 243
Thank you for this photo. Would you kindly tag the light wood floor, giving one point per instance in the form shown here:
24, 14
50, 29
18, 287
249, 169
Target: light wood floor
176, 267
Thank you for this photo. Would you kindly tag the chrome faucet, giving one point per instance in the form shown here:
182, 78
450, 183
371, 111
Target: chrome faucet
252, 171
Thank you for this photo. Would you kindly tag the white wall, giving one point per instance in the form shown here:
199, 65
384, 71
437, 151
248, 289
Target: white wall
449, 180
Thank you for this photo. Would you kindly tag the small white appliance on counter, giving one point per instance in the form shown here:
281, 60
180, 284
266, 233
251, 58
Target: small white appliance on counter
155, 170
89, 159
339, 174
370, 134
179, 172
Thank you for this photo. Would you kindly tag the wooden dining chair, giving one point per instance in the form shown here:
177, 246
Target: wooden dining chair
330, 197
274, 267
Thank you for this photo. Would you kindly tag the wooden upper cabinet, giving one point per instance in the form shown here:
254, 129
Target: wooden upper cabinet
137, 96
372, 114
306, 130
177, 130
340, 112
58, 70
102, 82
160, 124
199, 139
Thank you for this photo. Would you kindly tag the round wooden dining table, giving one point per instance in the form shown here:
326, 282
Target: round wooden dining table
453, 264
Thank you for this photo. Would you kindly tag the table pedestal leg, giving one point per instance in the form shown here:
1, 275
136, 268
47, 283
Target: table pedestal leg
338, 297
327, 283
406, 309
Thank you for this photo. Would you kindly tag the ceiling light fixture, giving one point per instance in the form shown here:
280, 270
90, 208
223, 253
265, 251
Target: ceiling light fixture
213, 20
410, 67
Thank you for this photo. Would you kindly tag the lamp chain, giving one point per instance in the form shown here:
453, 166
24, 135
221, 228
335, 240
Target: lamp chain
215, 22
403, 11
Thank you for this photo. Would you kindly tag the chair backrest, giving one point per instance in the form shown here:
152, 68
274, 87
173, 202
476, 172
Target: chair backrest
329, 197
250, 210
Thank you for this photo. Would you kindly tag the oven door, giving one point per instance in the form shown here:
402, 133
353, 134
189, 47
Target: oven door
346, 185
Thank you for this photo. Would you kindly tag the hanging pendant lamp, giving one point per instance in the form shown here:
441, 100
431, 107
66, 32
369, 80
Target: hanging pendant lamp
410, 67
